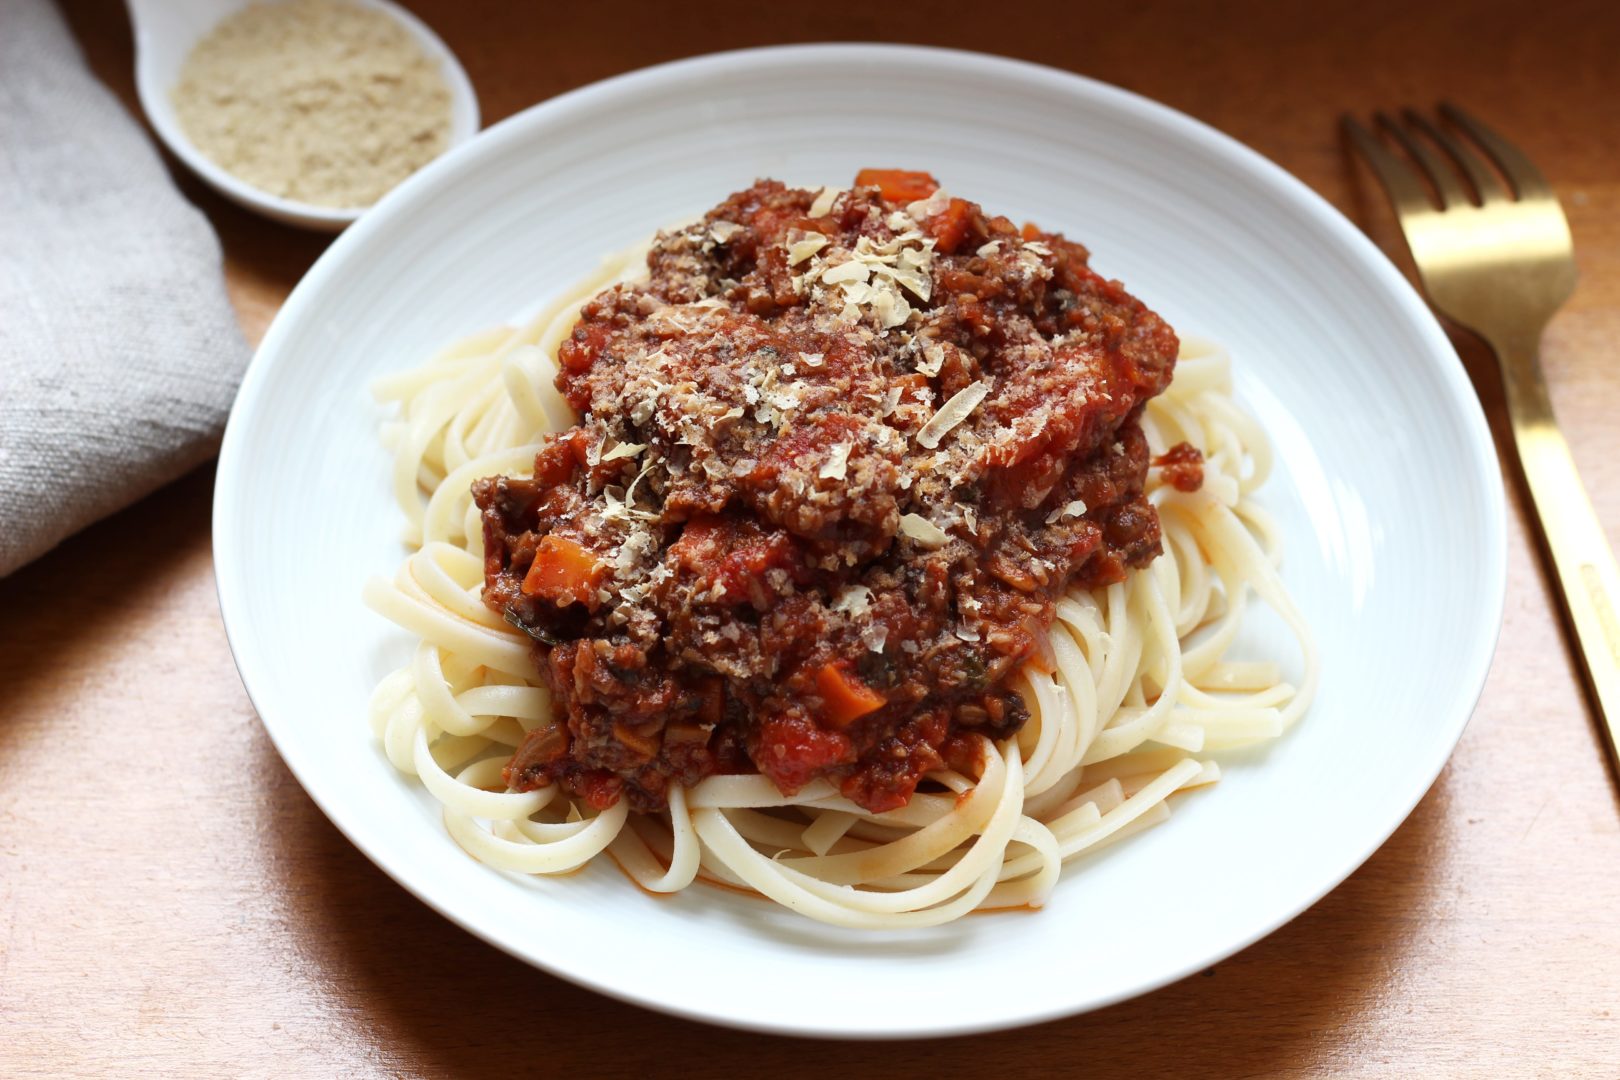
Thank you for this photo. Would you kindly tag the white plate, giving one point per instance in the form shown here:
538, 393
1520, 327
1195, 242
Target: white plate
1387, 490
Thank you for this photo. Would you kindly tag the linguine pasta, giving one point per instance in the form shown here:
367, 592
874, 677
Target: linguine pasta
1135, 693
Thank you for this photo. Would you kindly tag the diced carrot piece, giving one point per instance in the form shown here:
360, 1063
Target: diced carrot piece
1031, 231
636, 741
949, 226
564, 572
844, 697
898, 185
686, 732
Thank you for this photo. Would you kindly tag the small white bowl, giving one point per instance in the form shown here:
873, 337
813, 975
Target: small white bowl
165, 33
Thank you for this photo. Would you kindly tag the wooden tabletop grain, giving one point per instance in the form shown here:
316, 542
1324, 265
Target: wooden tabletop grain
172, 904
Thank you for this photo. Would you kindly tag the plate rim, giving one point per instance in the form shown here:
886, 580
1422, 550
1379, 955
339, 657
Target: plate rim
1470, 676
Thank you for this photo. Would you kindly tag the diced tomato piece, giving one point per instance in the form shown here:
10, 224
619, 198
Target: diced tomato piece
700, 542
734, 555
844, 697
792, 751
1027, 480
564, 572
950, 226
557, 459
599, 787
898, 185
889, 772
965, 754
581, 348
770, 225
913, 388
1031, 231
554, 464
1183, 466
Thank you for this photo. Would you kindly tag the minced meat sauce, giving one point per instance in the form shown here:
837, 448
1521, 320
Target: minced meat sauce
840, 454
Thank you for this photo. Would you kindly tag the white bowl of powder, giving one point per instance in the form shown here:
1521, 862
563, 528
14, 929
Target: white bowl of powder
306, 111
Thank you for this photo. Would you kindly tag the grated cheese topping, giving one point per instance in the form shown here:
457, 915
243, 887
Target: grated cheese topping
853, 600
837, 463
952, 413
933, 360
925, 532
823, 202
719, 395
802, 245
1073, 509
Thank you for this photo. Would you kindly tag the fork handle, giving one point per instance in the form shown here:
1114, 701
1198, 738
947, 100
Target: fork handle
1588, 580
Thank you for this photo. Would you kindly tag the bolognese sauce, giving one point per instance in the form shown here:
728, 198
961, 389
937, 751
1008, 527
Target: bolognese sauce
838, 457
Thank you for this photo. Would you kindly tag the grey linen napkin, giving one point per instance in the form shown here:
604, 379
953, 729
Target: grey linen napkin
119, 352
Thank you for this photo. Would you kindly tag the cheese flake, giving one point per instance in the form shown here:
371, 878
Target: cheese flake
853, 600
801, 246
824, 201
891, 400
952, 413
854, 270
891, 308
933, 360
1068, 510
923, 209
837, 462
925, 532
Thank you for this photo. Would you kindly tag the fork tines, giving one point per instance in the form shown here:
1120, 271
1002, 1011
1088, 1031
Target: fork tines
1447, 153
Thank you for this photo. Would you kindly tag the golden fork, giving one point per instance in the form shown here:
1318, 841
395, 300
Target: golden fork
1498, 260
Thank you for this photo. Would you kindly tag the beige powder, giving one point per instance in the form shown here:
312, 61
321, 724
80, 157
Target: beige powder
320, 101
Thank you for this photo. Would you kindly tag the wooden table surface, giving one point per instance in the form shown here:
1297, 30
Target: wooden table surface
171, 903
